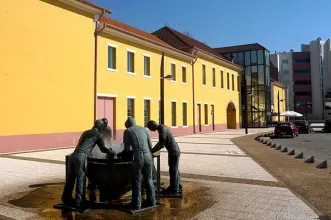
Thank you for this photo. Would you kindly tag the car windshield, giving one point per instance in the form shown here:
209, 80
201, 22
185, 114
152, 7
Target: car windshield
300, 123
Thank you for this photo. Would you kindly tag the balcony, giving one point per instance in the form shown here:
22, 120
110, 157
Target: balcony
301, 77
302, 88
303, 98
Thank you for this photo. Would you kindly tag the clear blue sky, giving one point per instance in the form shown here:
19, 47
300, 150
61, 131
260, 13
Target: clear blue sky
276, 24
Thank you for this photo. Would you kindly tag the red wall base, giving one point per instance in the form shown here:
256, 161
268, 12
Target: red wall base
17, 143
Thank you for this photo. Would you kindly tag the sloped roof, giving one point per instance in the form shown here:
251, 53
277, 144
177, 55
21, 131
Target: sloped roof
182, 42
94, 5
138, 33
239, 48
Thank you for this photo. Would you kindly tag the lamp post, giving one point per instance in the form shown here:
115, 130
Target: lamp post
245, 104
278, 100
162, 77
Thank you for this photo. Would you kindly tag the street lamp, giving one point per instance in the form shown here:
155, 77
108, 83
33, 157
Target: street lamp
279, 100
162, 77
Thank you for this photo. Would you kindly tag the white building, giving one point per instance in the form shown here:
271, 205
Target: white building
283, 62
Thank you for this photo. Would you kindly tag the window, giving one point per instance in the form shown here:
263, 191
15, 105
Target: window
204, 74
147, 111
130, 57
147, 67
173, 114
302, 82
206, 114
303, 93
232, 80
285, 61
302, 60
228, 80
184, 74
222, 80
260, 73
247, 58
214, 77
111, 57
184, 114
260, 57
173, 71
301, 71
130, 107
253, 57
286, 72
238, 84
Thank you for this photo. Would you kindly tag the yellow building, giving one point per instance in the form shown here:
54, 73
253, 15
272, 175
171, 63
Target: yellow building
278, 98
63, 67
216, 83
46, 72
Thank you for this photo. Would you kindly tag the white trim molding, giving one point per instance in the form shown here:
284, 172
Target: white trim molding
147, 55
184, 126
205, 103
184, 101
184, 83
111, 45
112, 70
184, 66
172, 100
198, 102
172, 62
206, 125
107, 95
131, 97
130, 73
130, 50
83, 6
147, 98
174, 126
147, 76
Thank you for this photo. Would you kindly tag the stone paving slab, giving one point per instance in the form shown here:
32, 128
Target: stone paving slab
15, 213
221, 166
244, 201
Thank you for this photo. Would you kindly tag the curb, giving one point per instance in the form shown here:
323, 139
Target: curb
283, 149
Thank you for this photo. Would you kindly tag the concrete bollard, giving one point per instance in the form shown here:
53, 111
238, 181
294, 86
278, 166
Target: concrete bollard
269, 143
323, 165
261, 140
273, 146
279, 147
257, 138
284, 150
265, 142
310, 160
292, 152
299, 156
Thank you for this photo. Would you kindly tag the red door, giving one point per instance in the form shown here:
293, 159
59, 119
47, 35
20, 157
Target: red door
199, 116
106, 109
212, 117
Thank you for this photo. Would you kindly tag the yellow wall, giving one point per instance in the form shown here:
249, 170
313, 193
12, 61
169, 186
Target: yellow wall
46, 71
122, 84
282, 104
218, 96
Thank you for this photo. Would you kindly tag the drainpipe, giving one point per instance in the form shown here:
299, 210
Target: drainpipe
193, 90
96, 32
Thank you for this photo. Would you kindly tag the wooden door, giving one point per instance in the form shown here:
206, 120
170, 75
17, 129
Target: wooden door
212, 117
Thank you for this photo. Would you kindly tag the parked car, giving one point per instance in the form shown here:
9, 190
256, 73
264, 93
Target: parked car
327, 126
286, 128
303, 126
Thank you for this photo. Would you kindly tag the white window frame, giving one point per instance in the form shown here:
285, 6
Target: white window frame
113, 46
175, 101
134, 56
150, 56
185, 83
172, 62
184, 101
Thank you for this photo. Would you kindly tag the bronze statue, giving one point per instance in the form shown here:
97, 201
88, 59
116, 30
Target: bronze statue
167, 140
76, 167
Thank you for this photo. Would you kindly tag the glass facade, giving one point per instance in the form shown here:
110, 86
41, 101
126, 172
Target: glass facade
257, 75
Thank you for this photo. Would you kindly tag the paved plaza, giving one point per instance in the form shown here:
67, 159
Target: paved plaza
236, 186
